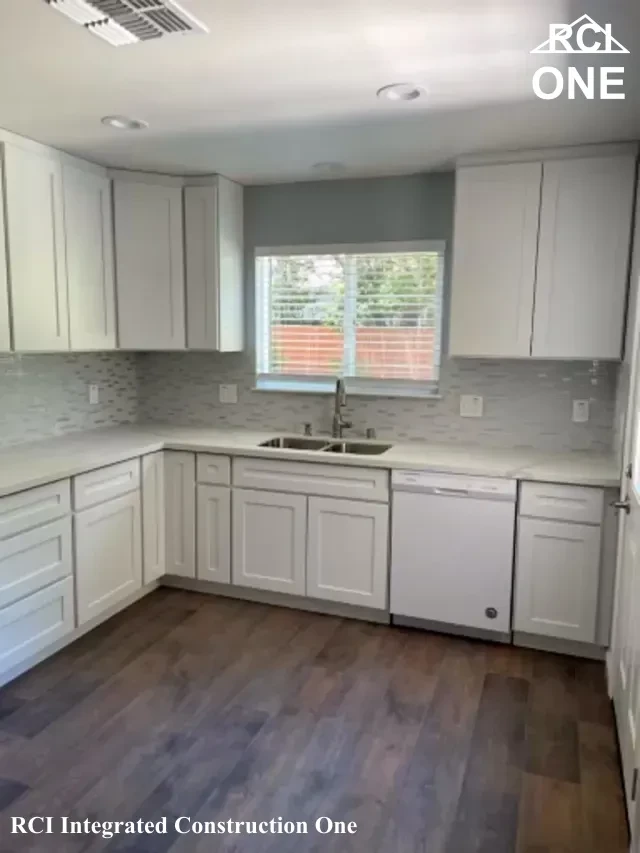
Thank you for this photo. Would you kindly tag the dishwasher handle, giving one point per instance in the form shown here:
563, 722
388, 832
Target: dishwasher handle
450, 492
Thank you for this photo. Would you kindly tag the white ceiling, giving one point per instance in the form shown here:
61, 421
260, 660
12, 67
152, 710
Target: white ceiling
279, 85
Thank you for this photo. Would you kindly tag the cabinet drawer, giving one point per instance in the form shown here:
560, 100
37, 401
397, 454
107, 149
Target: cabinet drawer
214, 470
29, 509
311, 478
35, 559
101, 485
33, 623
564, 503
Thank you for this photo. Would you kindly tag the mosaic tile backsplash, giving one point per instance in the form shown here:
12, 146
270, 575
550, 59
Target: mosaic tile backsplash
526, 403
47, 395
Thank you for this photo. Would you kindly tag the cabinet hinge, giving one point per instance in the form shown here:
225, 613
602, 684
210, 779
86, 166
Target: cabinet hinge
634, 785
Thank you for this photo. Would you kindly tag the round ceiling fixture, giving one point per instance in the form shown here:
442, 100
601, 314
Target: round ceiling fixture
329, 167
124, 123
401, 92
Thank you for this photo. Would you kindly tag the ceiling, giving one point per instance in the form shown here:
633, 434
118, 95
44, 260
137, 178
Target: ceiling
279, 86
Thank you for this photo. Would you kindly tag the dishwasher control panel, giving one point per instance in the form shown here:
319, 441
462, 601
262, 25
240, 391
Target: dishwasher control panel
454, 484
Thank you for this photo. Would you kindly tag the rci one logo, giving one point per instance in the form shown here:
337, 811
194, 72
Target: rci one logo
584, 35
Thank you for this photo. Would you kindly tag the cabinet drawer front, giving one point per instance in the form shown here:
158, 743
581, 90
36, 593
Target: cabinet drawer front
33, 623
564, 503
34, 507
101, 485
311, 478
35, 559
212, 469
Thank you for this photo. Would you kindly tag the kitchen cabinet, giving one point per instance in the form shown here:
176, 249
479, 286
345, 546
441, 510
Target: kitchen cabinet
347, 551
154, 546
583, 254
34, 559
108, 543
269, 540
494, 260
149, 264
89, 252
214, 265
36, 248
180, 513
214, 534
540, 257
5, 328
557, 579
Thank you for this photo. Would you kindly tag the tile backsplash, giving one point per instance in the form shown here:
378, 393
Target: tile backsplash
46, 395
526, 403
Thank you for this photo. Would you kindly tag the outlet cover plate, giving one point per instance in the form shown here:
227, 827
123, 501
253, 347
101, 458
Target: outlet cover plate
228, 393
471, 406
580, 413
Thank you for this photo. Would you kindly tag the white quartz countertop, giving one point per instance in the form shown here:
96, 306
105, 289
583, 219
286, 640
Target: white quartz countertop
36, 463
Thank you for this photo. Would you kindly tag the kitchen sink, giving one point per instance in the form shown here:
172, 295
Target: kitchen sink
295, 443
358, 447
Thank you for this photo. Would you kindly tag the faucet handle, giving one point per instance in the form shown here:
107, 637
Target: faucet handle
307, 428
370, 432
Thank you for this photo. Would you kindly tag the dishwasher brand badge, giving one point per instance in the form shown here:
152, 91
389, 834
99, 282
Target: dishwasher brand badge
584, 36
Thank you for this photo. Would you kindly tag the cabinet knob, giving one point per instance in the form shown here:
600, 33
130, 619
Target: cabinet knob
491, 613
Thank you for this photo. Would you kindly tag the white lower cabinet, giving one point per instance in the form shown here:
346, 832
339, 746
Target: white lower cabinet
153, 517
34, 559
34, 623
108, 554
347, 551
269, 539
557, 579
180, 513
214, 534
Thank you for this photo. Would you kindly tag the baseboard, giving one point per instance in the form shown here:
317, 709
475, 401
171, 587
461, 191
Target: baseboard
560, 647
28, 663
446, 628
296, 602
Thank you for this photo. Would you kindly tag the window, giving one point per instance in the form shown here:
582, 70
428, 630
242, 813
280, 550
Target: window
372, 314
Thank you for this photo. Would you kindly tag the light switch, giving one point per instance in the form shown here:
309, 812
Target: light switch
471, 406
580, 411
228, 393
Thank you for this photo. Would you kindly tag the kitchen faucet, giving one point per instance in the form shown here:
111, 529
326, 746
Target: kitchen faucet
340, 401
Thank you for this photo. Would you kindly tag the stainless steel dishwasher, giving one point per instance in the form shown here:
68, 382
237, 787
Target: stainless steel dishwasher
452, 550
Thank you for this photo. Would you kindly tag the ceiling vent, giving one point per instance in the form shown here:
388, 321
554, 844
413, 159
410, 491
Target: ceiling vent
122, 22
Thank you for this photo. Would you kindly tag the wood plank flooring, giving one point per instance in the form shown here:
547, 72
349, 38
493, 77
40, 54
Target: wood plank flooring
218, 709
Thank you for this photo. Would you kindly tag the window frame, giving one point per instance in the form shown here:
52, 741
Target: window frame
314, 384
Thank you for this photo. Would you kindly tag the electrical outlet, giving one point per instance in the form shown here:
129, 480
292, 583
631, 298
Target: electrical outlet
471, 406
580, 411
228, 393
94, 395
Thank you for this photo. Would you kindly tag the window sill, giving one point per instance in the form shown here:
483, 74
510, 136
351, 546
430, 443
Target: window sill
409, 390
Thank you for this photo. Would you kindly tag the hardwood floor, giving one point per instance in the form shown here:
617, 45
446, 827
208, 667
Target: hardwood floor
222, 710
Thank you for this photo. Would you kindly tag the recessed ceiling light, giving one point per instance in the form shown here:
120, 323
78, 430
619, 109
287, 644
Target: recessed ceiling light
124, 123
401, 92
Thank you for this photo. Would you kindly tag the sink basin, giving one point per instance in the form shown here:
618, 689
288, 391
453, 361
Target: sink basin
359, 447
295, 443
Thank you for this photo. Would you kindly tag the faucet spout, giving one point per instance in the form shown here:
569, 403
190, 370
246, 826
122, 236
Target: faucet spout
339, 402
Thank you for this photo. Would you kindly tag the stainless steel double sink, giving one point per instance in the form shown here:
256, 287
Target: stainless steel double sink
326, 445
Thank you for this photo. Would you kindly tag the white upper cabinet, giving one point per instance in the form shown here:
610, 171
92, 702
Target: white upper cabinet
214, 265
494, 259
89, 245
583, 252
37, 258
5, 335
149, 265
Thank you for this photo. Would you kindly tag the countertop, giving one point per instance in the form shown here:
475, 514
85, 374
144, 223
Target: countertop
36, 463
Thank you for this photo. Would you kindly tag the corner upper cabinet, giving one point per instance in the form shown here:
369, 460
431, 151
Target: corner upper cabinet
36, 248
149, 264
583, 253
89, 248
494, 260
214, 265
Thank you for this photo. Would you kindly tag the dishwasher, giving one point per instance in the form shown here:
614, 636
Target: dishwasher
452, 550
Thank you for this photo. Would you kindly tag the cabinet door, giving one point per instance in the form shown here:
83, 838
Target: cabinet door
494, 259
214, 533
585, 223
5, 335
149, 261
180, 509
108, 540
557, 579
35, 238
89, 242
153, 517
269, 533
347, 551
